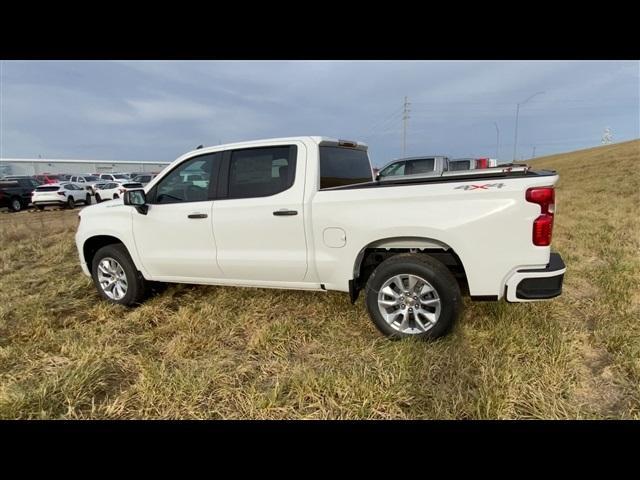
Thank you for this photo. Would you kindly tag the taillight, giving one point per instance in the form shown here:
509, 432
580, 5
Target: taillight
482, 163
121, 190
543, 225
60, 193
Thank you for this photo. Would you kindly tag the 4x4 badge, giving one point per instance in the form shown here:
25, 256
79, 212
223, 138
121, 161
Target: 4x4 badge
484, 186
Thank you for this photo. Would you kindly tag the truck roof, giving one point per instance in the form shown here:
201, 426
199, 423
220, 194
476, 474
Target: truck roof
320, 140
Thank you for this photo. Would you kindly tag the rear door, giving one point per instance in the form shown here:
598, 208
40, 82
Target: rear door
258, 218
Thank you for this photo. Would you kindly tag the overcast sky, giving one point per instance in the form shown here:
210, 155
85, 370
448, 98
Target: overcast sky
159, 110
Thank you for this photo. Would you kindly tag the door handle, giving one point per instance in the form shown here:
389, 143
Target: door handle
197, 215
285, 212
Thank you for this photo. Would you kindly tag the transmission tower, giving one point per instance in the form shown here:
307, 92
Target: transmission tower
607, 136
405, 117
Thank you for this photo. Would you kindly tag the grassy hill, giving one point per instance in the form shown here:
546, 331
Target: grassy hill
213, 352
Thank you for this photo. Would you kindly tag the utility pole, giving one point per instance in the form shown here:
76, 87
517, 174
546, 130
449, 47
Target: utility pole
534, 152
515, 141
405, 117
497, 141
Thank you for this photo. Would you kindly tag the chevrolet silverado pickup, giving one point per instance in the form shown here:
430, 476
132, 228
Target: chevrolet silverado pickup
306, 213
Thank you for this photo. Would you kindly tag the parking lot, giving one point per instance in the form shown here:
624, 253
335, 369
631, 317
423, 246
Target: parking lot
216, 352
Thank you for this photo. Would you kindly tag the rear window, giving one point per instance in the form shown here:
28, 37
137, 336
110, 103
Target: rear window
132, 185
47, 189
121, 177
91, 179
343, 166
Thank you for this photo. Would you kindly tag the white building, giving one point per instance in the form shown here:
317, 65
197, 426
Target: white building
37, 166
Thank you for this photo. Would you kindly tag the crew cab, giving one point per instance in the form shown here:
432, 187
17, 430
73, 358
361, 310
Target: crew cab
305, 213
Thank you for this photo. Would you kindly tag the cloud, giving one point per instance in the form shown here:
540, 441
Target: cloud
157, 110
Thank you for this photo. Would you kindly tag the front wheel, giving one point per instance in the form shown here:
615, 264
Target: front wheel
116, 277
98, 199
87, 200
413, 295
115, 196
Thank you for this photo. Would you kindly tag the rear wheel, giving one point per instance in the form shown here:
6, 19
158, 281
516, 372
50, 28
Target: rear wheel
116, 277
413, 295
115, 195
87, 200
40, 207
71, 203
15, 204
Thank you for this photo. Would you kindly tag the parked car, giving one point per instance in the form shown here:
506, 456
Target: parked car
305, 213
61, 194
114, 190
114, 177
16, 194
88, 182
46, 178
21, 177
423, 165
144, 178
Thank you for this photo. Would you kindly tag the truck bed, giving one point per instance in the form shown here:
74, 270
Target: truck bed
448, 178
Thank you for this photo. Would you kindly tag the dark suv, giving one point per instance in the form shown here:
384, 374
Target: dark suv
16, 194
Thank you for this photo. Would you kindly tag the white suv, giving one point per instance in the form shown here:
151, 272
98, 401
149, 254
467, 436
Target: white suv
62, 194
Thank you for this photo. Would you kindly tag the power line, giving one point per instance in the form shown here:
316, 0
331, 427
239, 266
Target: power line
382, 122
405, 117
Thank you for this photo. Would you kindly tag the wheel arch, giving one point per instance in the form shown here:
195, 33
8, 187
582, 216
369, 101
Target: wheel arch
92, 244
375, 252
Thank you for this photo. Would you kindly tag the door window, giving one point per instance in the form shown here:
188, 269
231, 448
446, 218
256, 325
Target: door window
189, 182
260, 172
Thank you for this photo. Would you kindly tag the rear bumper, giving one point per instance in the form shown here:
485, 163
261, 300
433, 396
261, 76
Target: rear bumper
49, 202
527, 285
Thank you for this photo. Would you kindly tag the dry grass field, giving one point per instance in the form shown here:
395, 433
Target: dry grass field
213, 352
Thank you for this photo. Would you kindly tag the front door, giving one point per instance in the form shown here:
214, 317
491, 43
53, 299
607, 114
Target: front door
175, 238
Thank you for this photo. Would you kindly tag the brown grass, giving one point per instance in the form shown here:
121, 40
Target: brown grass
212, 352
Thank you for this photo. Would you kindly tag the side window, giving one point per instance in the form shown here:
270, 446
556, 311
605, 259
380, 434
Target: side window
424, 165
260, 172
189, 182
395, 169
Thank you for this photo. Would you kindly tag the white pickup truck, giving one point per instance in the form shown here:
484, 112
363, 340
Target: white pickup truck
305, 213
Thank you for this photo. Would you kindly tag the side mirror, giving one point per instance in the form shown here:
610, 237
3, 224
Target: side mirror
137, 199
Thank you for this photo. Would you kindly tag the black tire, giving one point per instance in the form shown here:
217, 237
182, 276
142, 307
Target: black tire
15, 204
115, 195
98, 199
430, 270
71, 203
40, 207
87, 199
137, 286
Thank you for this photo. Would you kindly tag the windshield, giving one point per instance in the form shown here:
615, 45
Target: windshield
122, 177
